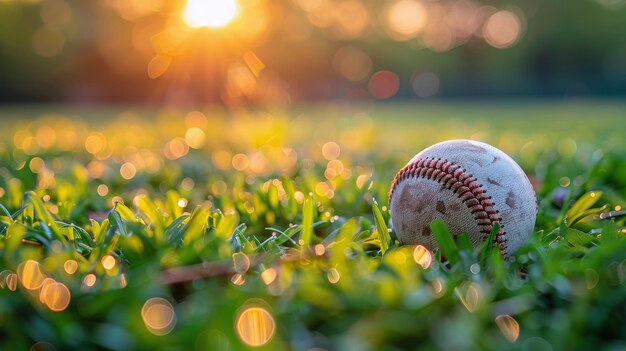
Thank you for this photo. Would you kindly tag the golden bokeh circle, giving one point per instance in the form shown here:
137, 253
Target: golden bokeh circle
158, 316
30, 274
56, 296
255, 326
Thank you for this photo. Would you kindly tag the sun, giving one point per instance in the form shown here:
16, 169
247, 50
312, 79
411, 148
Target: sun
209, 13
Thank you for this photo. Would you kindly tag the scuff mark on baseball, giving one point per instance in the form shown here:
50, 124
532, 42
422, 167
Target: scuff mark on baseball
469, 185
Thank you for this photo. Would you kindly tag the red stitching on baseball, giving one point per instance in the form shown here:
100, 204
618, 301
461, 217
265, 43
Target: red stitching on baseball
464, 185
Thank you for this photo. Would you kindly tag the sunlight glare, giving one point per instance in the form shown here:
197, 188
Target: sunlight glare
209, 13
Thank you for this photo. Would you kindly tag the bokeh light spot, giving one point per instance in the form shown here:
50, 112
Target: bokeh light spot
471, 295
128, 171
384, 84
240, 162
333, 276
158, 316
70, 266
11, 281
238, 279
241, 262
351, 19
352, 63
405, 19
89, 280
255, 326
176, 148
56, 296
108, 262
102, 189
508, 326
42, 346
95, 142
425, 84
502, 29
30, 275
43, 290
269, 275
331, 150
320, 249
422, 256
195, 137
36, 164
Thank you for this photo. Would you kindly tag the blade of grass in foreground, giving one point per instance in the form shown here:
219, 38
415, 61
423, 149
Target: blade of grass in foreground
446, 243
307, 221
489, 244
381, 228
579, 209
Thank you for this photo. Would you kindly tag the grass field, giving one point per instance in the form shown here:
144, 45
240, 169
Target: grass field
165, 229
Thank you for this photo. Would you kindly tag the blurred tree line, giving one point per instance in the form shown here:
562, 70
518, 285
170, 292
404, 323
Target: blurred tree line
294, 50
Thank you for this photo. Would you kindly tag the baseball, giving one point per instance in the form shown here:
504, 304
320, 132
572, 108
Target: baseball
469, 185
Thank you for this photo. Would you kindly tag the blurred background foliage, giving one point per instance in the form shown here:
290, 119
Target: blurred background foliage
275, 52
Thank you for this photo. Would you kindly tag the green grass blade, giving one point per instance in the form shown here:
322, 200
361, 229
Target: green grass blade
19, 211
125, 212
148, 207
285, 235
578, 238
290, 189
489, 244
381, 228
227, 225
197, 225
464, 243
4, 209
115, 220
446, 242
176, 230
586, 214
581, 205
42, 212
308, 211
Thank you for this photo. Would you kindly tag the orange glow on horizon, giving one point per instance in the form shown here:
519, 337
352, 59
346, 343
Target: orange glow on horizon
212, 14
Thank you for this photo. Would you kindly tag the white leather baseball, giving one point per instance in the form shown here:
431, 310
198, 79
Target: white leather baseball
469, 185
